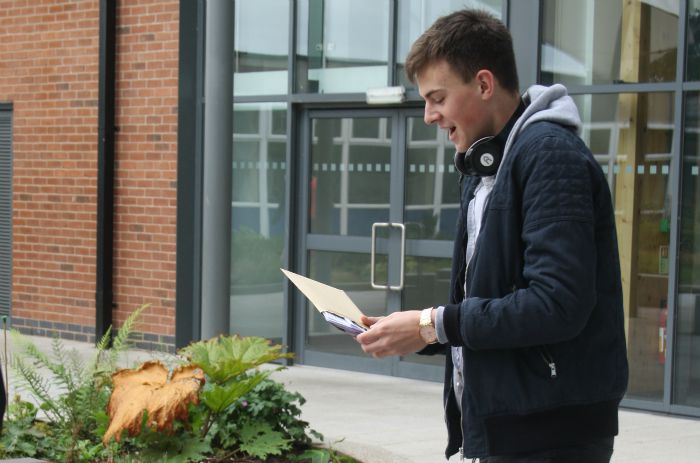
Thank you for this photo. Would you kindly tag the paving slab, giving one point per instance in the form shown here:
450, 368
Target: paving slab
384, 419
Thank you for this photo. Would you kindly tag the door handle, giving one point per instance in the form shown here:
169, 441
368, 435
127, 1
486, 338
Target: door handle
373, 252
401, 227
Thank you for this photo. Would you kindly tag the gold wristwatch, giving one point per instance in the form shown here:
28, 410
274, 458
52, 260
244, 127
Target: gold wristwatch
426, 328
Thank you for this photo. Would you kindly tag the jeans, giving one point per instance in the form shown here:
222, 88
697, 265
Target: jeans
597, 451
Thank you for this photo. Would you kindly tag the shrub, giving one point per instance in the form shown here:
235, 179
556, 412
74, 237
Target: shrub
240, 415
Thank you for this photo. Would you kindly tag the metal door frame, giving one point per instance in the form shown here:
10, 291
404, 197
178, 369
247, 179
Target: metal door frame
394, 366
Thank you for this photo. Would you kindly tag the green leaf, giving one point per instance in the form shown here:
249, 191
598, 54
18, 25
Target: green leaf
219, 397
181, 447
225, 357
315, 455
192, 450
259, 440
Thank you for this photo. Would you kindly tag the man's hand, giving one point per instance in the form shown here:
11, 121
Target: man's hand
396, 334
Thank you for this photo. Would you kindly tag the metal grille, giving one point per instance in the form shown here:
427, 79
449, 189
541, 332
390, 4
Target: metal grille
5, 211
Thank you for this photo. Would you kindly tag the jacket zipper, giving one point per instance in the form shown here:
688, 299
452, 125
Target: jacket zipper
464, 224
550, 362
461, 428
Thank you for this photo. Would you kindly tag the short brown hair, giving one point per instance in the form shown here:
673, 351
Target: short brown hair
468, 40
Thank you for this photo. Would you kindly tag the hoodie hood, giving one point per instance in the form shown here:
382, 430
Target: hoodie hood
552, 104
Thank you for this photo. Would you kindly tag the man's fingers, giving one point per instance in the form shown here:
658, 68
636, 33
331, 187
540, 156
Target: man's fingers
369, 321
368, 337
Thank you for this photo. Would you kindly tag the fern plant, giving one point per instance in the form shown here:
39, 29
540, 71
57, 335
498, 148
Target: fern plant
242, 414
71, 393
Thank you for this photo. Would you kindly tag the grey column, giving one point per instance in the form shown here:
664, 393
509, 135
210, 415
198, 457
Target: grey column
218, 144
524, 25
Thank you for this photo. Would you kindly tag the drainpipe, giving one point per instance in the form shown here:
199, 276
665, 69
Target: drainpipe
105, 168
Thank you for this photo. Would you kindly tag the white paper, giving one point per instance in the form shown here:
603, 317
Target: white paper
328, 299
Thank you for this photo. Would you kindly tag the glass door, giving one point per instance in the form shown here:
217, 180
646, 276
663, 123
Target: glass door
378, 206
430, 210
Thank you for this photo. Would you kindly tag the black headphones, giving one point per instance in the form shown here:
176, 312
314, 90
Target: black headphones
481, 159
484, 156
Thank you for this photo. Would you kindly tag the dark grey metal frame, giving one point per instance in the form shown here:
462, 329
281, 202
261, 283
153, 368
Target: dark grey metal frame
530, 54
189, 173
527, 45
529, 12
307, 242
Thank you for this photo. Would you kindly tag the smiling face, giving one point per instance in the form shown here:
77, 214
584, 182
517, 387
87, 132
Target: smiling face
459, 107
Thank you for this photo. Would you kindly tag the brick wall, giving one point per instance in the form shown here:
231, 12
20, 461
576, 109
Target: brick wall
49, 51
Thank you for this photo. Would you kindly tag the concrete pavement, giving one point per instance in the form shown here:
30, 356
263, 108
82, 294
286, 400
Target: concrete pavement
381, 419
394, 420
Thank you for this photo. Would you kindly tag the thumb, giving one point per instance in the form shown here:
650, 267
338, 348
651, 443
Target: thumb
369, 321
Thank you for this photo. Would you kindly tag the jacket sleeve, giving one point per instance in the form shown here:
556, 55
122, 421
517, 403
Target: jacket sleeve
554, 177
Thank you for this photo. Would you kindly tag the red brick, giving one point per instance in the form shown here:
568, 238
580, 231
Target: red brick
49, 70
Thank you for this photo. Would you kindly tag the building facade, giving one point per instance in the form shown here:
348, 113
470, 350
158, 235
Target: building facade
300, 167
50, 102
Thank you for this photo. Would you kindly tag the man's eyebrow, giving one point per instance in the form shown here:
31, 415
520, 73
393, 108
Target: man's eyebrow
430, 92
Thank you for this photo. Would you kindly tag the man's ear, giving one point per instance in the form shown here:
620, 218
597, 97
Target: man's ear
486, 81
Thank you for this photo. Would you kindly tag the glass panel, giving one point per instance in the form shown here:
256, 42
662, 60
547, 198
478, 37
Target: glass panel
599, 42
432, 188
631, 137
431, 209
261, 47
349, 188
258, 226
342, 45
427, 283
693, 41
687, 335
415, 16
351, 273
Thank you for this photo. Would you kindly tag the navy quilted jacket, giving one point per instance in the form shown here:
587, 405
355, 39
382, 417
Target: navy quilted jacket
543, 329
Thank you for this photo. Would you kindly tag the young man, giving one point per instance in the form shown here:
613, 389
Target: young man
536, 365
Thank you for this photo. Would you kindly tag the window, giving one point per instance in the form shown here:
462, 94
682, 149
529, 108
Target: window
630, 135
261, 47
258, 219
342, 45
687, 334
601, 42
415, 16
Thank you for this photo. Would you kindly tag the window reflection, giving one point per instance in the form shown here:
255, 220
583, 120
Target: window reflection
258, 226
261, 47
350, 173
432, 189
427, 281
597, 42
693, 41
342, 45
631, 137
415, 16
687, 335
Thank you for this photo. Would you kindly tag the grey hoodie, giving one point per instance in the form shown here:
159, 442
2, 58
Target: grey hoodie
551, 104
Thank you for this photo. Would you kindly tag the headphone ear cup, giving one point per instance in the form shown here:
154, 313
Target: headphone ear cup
459, 163
486, 158
481, 159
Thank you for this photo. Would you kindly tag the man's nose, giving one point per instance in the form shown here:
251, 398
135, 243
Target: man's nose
429, 115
